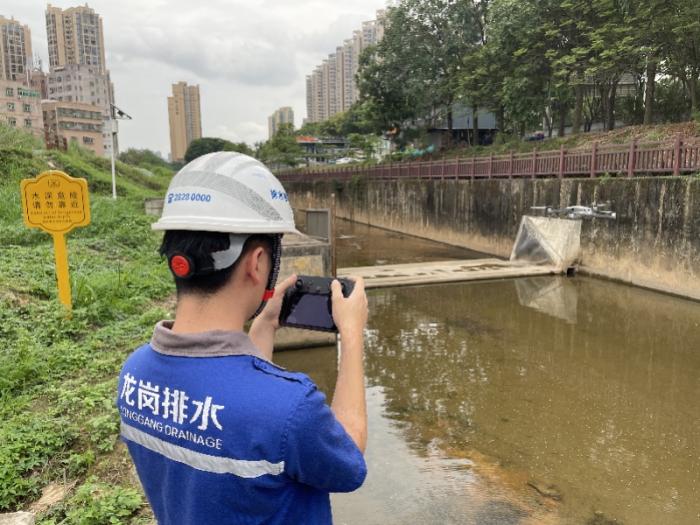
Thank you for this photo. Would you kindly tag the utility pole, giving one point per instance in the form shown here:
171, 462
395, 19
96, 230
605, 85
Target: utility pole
114, 114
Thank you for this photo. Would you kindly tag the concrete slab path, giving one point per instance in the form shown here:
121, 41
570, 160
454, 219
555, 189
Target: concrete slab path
444, 272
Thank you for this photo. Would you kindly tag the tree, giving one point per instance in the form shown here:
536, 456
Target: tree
282, 148
413, 72
199, 147
683, 48
512, 74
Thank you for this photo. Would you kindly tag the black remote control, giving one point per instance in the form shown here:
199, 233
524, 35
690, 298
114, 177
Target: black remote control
308, 303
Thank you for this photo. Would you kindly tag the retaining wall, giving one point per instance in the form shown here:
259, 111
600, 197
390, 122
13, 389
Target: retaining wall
655, 242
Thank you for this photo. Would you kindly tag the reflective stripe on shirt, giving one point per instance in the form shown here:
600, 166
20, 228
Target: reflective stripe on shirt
199, 461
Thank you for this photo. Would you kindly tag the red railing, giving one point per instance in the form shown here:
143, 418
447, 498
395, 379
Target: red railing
635, 159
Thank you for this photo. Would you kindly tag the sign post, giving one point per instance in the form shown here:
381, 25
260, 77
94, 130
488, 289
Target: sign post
56, 203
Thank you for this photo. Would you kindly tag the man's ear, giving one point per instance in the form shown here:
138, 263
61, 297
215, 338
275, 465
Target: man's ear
253, 264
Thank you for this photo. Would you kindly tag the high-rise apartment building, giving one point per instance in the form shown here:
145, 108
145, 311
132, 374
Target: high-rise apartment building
73, 122
283, 115
316, 112
185, 119
84, 84
332, 87
77, 69
15, 50
348, 85
20, 107
39, 81
309, 98
75, 36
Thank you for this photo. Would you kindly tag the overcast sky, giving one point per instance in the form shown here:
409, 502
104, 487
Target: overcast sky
249, 57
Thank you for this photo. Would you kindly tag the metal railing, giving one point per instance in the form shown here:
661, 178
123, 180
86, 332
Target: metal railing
634, 159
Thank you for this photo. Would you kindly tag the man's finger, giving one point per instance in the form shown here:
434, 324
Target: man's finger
282, 287
359, 284
336, 289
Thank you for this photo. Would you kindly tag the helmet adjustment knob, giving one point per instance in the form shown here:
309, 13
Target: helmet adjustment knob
181, 266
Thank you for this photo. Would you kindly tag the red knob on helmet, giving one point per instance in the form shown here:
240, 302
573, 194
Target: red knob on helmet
181, 266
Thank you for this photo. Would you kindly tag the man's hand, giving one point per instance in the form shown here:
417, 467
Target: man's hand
262, 331
349, 406
350, 314
271, 312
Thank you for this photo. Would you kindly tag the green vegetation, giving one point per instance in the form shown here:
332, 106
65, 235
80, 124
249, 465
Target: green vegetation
199, 147
282, 149
96, 503
148, 160
57, 372
561, 62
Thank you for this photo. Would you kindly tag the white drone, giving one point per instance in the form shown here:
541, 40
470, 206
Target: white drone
594, 211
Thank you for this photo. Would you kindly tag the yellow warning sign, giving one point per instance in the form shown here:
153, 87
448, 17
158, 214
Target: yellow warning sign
56, 203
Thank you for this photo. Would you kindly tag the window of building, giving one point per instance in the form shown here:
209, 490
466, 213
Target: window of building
10, 106
88, 140
27, 123
9, 92
12, 122
27, 108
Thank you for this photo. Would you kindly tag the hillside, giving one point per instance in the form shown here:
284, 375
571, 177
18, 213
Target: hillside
58, 374
623, 135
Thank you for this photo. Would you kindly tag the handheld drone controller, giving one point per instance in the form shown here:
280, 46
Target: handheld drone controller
308, 303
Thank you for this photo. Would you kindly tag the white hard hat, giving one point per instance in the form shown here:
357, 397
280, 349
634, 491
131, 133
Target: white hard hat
226, 192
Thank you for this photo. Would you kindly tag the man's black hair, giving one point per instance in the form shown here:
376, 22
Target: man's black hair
199, 246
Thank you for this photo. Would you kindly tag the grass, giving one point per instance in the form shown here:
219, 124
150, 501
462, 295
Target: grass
57, 372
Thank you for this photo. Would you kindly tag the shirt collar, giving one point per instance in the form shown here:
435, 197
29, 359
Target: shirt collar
217, 343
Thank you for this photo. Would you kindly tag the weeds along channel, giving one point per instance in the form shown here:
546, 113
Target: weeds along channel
58, 373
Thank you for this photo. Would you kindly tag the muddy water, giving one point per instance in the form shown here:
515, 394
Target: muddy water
544, 400
361, 245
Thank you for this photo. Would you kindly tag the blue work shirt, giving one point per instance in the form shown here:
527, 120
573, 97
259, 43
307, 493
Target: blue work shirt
219, 435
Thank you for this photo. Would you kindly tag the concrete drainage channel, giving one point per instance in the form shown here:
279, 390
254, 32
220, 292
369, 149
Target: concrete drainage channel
544, 246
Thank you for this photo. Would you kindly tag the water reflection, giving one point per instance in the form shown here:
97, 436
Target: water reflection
604, 411
555, 297
495, 403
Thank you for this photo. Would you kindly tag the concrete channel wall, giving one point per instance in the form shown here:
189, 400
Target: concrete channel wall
655, 242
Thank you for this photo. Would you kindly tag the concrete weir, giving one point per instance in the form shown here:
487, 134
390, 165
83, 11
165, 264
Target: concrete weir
544, 246
445, 272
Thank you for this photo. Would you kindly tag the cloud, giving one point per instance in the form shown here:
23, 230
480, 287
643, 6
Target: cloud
224, 47
249, 57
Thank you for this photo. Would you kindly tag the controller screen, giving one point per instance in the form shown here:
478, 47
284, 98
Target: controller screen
311, 310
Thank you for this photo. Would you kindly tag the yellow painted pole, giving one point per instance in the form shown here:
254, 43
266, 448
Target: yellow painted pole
61, 253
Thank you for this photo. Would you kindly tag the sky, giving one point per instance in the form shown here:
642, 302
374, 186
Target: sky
248, 57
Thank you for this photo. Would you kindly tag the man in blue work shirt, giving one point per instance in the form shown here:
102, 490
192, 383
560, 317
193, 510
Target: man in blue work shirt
218, 433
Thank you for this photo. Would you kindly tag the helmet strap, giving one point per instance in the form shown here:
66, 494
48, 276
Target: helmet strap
274, 273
